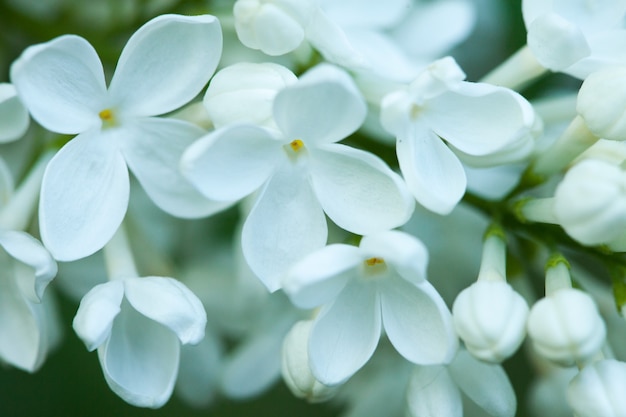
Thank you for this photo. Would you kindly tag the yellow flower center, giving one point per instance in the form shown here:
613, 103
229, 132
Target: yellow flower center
108, 118
374, 266
296, 145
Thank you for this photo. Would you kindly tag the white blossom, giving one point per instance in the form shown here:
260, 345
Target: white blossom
137, 326
380, 284
301, 172
85, 189
598, 390
475, 118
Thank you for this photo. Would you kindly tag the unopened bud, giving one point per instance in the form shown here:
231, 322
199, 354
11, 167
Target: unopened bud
295, 366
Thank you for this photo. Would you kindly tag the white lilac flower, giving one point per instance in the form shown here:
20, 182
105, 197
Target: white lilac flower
576, 37
13, 115
85, 190
489, 316
436, 390
362, 290
26, 270
475, 118
137, 325
301, 172
598, 390
565, 326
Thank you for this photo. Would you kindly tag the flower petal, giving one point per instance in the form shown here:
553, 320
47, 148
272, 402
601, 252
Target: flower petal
480, 118
22, 343
170, 303
166, 63
61, 83
31, 253
345, 334
485, 384
320, 276
432, 172
232, 162
323, 106
153, 150
285, 224
358, 191
96, 313
432, 392
84, 196
417, 321
14, 119
140, 359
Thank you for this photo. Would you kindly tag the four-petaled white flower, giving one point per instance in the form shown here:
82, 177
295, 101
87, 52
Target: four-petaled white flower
85, 190
380, 284
474, 118
301, 172
137, 325
27, 269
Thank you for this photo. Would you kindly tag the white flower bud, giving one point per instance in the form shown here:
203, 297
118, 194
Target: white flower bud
601, 103
245, 93
598, 390
590, 202
295, 366
490, 317
566, 327
275, 27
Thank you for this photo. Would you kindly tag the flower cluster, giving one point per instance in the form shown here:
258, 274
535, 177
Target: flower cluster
368, 222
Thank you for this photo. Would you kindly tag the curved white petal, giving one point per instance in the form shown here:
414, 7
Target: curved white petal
417, 321
22, 341
432, 172
479, 118
358, 191
366, 13
232, 162
406, 253
29, 251
96, 313
345, 334
323, 106
285, 224
432, 392
61, 83
608, 49
166, 63
140, 359
84, 196
14, 120
320, 276
153, 150
485, 384
169, 302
